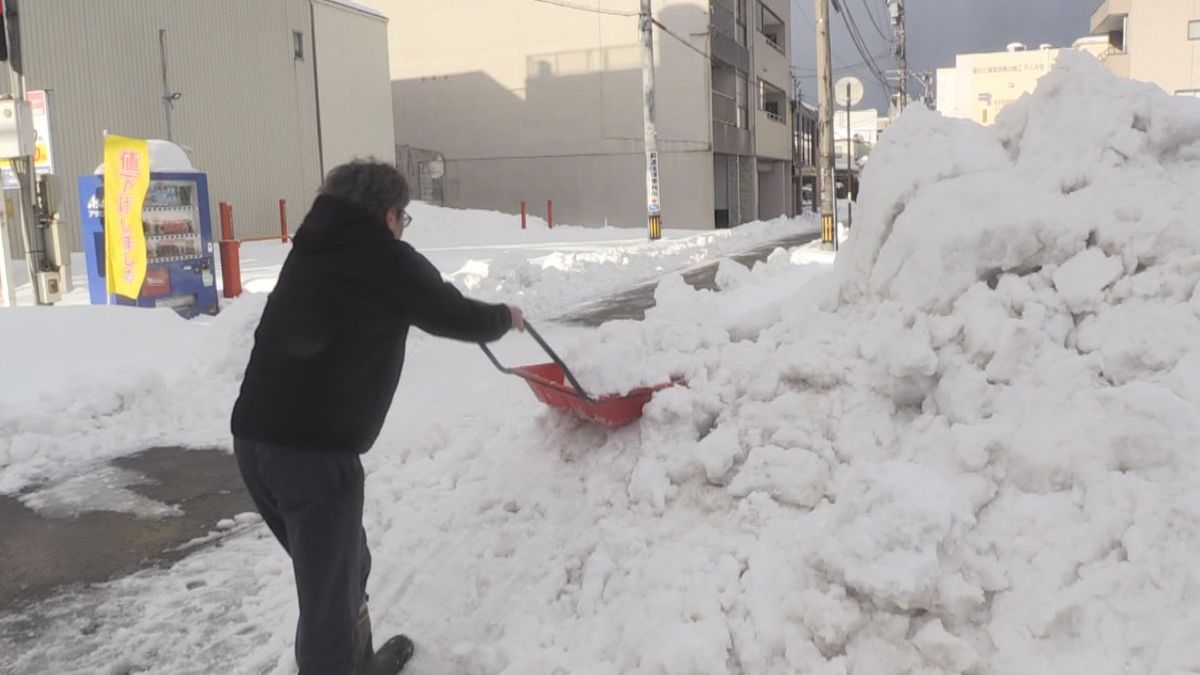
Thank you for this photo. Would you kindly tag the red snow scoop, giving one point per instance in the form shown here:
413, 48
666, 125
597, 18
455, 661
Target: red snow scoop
547, 382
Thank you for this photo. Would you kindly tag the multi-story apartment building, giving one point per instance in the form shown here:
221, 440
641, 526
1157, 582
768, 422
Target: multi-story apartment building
532, 100
979, 86
1152, 40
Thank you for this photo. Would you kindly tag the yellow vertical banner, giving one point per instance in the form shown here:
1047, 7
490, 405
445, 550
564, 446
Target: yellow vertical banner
126, 178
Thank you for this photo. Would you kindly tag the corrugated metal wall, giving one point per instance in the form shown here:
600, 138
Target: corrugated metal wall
248, 110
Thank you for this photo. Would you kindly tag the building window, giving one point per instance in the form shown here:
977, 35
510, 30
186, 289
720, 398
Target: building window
298, 45
739, 16
771, 100
771, 26
742, 99
724, 94
1194, 93
1194, 30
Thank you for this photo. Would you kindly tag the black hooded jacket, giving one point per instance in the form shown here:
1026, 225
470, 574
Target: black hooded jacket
330, 345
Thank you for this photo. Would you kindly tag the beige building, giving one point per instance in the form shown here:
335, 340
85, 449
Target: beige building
274, 92
1153, 41
979, 86
522, 100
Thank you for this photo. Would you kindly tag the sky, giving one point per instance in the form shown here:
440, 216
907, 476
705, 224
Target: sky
937, 30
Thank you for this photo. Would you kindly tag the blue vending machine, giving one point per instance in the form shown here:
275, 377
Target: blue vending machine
179, 244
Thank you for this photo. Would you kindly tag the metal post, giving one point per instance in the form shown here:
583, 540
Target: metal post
283, 228
825, 177
653, 202
849, 161
168, 96
32, 234
8, 296
522, 214
550, 214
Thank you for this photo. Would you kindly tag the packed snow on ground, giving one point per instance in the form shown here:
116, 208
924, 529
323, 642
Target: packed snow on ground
968, 448
488, 255
92, 383
547, 271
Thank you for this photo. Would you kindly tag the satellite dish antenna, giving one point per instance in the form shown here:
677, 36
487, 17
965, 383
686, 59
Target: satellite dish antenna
848, 91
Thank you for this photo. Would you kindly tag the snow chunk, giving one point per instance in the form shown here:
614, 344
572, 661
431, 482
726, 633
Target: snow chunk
1081, 280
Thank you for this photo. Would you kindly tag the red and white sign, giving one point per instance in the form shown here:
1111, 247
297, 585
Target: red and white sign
43, 159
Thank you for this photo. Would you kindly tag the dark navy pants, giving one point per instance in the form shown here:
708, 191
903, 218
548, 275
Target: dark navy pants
313, 502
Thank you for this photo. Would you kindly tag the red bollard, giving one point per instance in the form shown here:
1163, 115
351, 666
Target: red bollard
550, 213
231, 259
522, 214
226, 221
283, 231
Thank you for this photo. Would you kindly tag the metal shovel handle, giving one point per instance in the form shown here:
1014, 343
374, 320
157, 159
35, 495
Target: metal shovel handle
579, 391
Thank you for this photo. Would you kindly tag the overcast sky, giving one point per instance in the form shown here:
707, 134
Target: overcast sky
937, 30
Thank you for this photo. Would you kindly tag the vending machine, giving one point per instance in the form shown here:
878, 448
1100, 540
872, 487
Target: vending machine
179, 244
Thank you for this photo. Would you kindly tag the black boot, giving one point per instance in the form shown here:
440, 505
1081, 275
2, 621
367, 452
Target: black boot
388, 659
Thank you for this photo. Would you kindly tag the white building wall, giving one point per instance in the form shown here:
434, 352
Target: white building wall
353, 84
947, 91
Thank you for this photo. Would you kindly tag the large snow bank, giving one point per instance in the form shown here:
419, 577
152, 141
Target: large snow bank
971, 449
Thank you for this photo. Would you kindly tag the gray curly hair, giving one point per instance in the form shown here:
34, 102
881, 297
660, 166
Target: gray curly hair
376, 186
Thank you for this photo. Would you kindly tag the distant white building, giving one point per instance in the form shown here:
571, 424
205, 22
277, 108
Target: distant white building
979, 86
863, 132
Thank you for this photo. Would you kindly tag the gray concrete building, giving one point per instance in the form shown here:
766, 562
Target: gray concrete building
273, 92
513, 100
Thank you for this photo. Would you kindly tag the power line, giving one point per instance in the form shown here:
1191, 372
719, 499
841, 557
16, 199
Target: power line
687, 44
593, 10
861, 45
858, 65
617, 12
800, 8
874, 21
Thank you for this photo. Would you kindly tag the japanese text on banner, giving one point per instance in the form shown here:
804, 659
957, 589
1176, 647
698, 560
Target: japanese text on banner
126, 177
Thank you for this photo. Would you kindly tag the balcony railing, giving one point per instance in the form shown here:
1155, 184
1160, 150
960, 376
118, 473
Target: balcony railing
724, 108
774, 43
774, 117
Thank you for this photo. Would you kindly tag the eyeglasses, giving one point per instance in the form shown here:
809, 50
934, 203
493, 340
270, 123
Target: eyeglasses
407, 220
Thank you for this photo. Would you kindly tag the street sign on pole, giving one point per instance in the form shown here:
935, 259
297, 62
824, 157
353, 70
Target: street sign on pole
849, 91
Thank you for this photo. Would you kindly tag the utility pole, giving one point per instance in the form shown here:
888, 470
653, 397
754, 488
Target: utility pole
899, 29
37, 260
825, 178
653, 202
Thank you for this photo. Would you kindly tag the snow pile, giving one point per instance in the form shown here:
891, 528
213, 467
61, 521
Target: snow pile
971, 449
549, 271
83, 384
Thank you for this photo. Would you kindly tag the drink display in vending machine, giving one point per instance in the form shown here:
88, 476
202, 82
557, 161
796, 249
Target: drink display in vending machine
179, 244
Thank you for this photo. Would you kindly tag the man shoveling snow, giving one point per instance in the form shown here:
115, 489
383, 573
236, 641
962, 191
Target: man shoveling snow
326, 361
